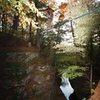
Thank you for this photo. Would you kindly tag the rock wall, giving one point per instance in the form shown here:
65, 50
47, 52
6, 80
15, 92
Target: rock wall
96, 95
23, 79
16, 74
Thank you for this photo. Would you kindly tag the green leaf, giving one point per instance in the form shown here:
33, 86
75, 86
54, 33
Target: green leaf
92, 90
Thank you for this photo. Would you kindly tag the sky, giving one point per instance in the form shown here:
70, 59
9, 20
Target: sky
59, 1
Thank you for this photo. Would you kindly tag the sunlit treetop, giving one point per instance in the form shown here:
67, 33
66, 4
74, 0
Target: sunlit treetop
28, 9
51, 3
23, 8
63, 9
66, 8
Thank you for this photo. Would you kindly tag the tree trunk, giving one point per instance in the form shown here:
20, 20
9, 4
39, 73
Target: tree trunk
3, 22
91, 61
91, 77
38, 39
22, 32
38, 36
30, 28
15, 22
72, 30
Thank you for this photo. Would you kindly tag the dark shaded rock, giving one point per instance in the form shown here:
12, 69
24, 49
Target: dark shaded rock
81, 87
73, 97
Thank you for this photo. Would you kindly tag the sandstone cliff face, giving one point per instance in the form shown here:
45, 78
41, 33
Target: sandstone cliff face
22, 79
96, 95
22, 76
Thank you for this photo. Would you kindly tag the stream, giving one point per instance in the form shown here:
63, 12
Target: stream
66, 87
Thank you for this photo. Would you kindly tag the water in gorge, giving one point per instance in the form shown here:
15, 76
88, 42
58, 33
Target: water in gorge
66, 87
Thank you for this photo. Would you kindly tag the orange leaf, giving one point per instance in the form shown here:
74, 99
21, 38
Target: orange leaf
63, 6
61, 17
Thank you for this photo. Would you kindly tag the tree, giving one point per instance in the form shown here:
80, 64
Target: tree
21, 8
86, 33
40, 4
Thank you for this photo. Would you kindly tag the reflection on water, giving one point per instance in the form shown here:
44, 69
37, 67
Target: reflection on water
66, 87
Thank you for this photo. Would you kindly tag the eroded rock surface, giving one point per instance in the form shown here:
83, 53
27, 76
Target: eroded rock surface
96, 95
